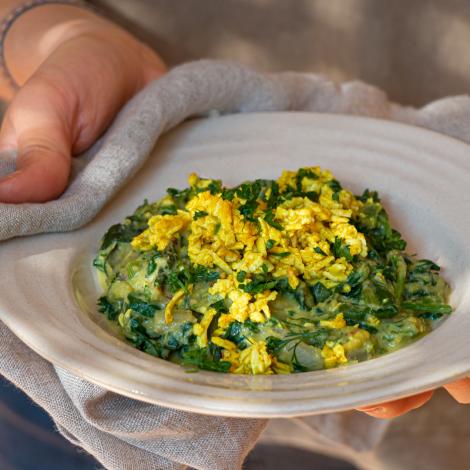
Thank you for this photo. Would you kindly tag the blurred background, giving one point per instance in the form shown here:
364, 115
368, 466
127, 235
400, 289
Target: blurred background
415, 50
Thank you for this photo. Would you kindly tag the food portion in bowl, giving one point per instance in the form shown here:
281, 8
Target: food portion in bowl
269, 277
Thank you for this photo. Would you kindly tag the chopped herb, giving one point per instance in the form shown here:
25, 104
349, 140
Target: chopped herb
269, 244
280, 255
336, 187
386, 312
248, 210
316, 338
341, 250
167, 210
269, 218
215, 186
304, 173
200, 273
180, 197
199, 214
258, 284
369, 195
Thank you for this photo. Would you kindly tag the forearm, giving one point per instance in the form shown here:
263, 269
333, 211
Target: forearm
33, 35
37, 32
6, 6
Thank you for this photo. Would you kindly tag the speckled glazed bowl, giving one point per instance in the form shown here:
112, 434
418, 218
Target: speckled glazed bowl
48, 289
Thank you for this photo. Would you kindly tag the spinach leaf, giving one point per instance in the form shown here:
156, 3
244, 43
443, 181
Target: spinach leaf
320, 292
354, 315
258, 284
234, 332
425, 265
106, 307
141, 306
304, 173
199, 214
203, 359
341, 250
386, 312
427, 308
120, 233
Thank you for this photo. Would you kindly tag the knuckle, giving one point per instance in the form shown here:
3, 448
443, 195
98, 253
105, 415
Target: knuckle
43, 149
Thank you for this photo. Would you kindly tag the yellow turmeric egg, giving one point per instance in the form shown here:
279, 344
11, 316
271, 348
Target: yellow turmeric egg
255, 359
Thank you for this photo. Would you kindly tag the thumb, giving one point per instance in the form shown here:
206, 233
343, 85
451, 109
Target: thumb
36, 124
66, 104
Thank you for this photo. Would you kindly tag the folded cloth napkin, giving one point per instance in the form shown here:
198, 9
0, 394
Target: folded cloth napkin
123, 433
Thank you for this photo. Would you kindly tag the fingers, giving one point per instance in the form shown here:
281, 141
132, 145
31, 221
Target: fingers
36, 124
66, 105
392, 409
460, 390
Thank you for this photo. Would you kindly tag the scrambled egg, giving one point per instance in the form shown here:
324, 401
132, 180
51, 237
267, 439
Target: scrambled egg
243, 306
224, 238
162, 228
337, 323
333, 355
254, 359
171, 305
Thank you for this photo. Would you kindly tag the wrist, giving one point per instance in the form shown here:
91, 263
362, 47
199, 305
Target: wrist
36, 37
37, 32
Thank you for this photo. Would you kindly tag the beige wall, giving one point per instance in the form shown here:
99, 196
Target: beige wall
417, 50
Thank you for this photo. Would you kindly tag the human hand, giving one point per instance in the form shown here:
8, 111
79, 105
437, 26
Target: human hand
459, 389
90, 69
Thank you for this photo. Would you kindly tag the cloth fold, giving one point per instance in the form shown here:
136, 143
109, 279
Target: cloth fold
123, 433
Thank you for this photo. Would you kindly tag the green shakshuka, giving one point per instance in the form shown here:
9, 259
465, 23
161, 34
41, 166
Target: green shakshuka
270, 277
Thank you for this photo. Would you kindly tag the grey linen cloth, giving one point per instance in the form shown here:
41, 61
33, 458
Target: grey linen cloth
127, 434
